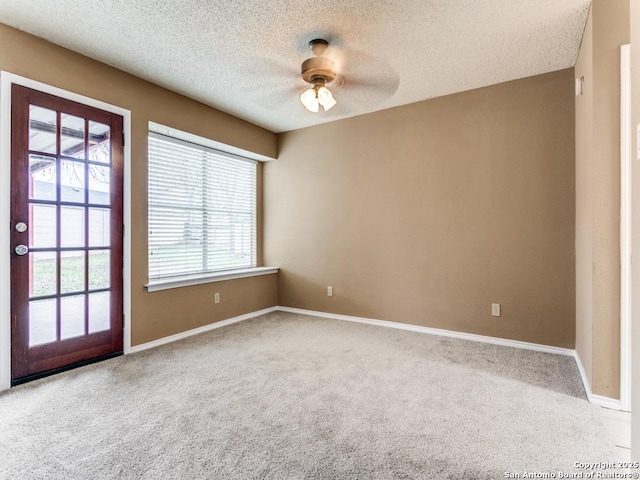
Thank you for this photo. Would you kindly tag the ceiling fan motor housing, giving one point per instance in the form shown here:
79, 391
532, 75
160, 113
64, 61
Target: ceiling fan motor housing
318, 68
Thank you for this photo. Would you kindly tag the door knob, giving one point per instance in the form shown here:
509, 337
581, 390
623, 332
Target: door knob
21, 249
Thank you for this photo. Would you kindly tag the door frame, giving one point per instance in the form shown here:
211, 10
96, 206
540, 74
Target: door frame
8, 79
625, 228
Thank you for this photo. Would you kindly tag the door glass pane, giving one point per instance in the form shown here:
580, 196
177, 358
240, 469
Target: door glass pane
99, 269
42, 321
42, 177
72, 136
72, 219
99, 184
72, 271
42, 231
71, 317
43, 274
99, 311
42, 129
72, 181
99, 142
99, 227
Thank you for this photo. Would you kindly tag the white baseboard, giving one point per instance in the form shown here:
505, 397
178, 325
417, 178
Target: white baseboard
436, 331
196, 331
599, 400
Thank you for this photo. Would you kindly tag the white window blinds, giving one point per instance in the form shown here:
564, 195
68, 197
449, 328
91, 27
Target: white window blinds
202, 209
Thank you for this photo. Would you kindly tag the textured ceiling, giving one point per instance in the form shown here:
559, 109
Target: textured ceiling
244, 56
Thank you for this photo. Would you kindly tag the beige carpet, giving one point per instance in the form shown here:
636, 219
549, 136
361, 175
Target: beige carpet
287, 396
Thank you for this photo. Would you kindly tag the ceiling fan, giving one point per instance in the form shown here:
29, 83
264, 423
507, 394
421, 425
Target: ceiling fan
358, 79
364, 78
318, 71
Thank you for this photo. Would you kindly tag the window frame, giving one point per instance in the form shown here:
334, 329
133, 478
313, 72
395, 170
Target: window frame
206, 146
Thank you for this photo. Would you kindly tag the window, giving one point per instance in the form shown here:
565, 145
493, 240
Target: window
202, 209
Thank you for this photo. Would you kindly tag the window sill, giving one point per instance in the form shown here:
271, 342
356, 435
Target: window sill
188, 280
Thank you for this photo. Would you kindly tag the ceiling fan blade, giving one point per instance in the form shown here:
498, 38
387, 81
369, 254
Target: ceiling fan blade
360, 70
275, 80
339, 56
277, 98
267, 69
386, 86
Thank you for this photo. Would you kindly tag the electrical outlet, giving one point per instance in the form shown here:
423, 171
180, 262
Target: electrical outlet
495, 309
216, 297
329, 291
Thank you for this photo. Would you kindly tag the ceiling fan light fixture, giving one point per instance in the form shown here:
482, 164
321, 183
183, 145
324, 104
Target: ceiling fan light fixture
310, 100
325, 98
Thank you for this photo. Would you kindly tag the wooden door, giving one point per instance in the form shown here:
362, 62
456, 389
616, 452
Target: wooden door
66, 234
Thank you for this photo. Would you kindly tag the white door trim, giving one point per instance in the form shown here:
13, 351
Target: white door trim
625, 227
6, 80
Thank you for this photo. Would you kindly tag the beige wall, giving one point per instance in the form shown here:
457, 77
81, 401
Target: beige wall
156, 314
426, 214
610, 31
584, 205
598, 196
